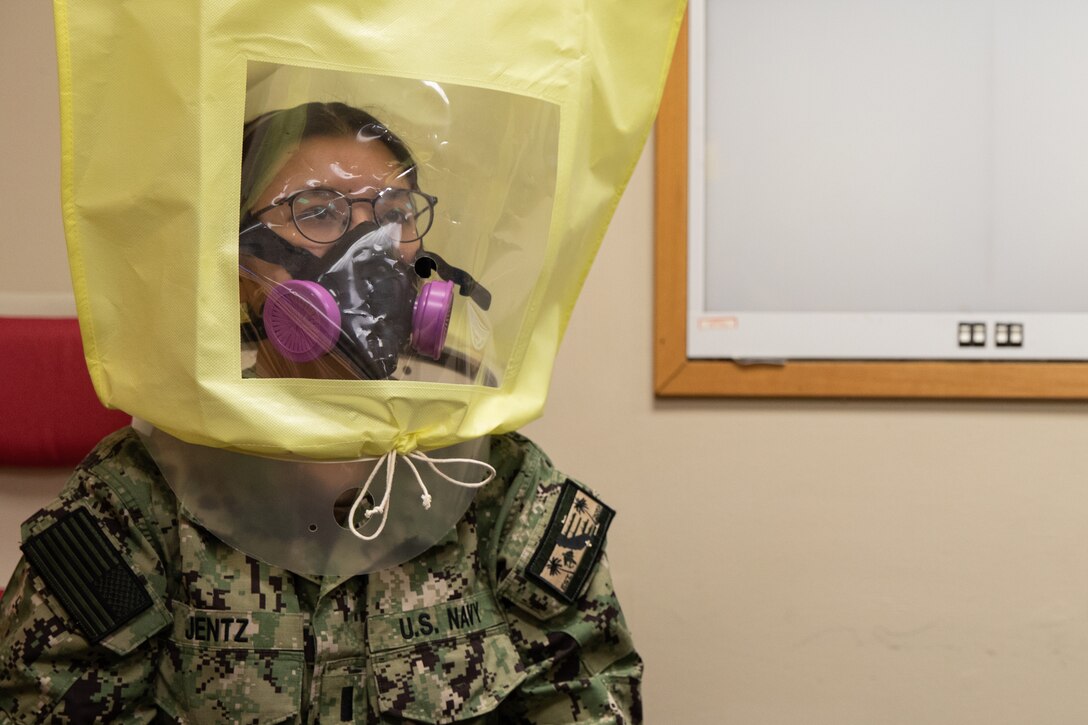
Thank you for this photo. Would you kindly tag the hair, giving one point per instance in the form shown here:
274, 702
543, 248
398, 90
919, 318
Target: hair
268, 136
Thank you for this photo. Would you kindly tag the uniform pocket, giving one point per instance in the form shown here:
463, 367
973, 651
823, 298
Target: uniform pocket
226, 666
445, 681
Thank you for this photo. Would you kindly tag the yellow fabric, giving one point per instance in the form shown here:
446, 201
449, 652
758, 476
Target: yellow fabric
153, 95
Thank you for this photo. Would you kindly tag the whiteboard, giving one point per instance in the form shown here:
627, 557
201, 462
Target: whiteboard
888, 179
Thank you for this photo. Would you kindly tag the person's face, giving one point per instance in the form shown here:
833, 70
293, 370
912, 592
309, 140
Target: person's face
358, 169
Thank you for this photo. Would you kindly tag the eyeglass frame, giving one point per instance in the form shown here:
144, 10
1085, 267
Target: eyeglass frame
290, 201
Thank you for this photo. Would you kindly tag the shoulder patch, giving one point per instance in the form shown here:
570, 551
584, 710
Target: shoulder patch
572, 543
87, 574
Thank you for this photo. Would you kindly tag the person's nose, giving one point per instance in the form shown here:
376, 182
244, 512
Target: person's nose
361, 211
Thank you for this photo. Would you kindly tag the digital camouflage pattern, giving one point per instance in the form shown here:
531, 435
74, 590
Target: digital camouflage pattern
459, 634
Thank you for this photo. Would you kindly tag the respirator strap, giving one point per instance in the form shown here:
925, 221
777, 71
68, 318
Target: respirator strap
427, 262
389, 462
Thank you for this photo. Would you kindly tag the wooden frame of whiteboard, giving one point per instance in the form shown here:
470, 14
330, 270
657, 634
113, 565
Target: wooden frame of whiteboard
677, 376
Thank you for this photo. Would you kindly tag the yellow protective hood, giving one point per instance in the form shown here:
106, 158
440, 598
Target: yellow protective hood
526, 119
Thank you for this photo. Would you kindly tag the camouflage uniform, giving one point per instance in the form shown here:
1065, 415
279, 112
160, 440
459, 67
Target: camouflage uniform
510, 618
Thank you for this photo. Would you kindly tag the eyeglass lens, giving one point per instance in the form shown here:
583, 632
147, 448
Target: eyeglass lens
324, 215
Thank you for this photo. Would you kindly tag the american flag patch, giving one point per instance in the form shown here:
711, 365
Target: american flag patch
572, 543
87, 574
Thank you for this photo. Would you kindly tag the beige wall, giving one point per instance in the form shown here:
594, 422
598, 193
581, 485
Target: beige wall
825, 563
33, 276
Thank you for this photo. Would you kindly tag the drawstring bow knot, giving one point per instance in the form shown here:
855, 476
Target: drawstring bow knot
389, 462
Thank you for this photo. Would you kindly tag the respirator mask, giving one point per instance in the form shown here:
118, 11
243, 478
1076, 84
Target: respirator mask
363, 301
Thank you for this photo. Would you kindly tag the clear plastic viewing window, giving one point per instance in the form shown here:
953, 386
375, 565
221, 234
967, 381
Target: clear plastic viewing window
390, 228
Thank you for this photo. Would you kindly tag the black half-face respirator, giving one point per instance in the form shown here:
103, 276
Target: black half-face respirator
360, 298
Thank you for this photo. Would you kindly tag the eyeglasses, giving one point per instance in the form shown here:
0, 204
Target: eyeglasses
324, 215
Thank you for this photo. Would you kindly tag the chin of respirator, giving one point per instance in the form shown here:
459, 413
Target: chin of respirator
359, 299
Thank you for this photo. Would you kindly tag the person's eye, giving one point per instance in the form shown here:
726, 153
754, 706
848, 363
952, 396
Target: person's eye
395, 216
316, 213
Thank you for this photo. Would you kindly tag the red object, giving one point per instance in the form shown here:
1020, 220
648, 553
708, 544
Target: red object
49, 413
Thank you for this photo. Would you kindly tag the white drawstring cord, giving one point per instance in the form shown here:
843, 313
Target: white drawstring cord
389, 460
